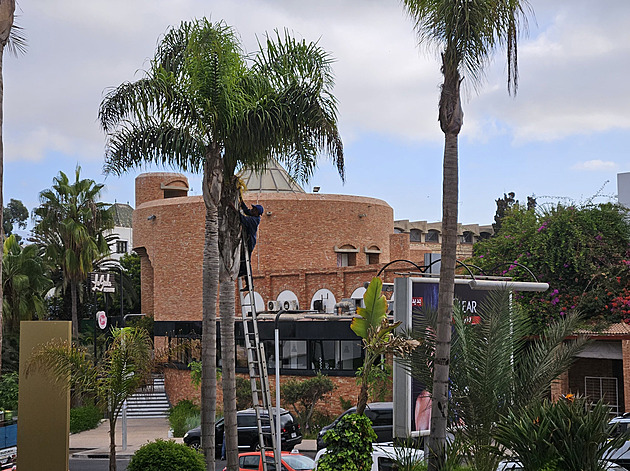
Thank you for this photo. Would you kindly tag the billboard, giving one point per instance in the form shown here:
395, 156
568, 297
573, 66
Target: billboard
412, 403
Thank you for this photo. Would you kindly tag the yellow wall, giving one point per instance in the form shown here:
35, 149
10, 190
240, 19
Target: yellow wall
44, 407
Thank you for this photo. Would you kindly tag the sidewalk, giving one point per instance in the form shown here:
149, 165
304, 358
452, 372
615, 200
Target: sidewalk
95, 443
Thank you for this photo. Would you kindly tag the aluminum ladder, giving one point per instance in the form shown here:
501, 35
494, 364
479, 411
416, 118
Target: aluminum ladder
257, 363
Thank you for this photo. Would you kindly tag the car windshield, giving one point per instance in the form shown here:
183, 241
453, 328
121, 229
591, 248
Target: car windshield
299, 462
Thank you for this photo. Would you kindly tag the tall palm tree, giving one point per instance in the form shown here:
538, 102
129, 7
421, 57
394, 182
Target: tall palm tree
9, 37
70, 224
179, 114
126, 366
25, 282
466, 33
291, 116
497, 368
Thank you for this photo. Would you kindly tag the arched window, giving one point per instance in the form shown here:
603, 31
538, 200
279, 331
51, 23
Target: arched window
372, 255
415, 235
432, 236
346, 255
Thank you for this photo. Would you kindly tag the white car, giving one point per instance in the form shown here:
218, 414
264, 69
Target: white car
516, 466
384, 455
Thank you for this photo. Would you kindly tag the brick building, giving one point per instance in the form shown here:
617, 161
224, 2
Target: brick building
314, 250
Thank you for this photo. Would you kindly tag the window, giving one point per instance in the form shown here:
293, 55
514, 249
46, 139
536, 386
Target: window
294, 354
346, 255
484, 235
121, 246
246, 420
324, 354
596, 388
372, 258
249, 462
351, 358
346, 259
184, 350
432, 236
415, 235
466, 238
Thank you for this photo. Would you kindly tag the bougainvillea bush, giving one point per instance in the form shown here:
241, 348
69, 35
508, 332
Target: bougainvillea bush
583, 252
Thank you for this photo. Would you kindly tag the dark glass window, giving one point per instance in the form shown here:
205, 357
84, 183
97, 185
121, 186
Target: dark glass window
121, 246
249, 461
324, 354
246, 420
294, 354
351, 355
432, 236
415, 235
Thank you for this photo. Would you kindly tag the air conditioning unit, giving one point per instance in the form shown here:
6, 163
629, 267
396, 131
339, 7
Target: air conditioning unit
291, 305
273, 306
318, 305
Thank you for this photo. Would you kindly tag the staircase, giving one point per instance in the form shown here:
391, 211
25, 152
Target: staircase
149, 402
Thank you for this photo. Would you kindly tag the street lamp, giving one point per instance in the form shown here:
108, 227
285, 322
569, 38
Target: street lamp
278, 447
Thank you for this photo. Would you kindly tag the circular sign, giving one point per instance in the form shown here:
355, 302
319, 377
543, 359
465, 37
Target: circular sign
102, 319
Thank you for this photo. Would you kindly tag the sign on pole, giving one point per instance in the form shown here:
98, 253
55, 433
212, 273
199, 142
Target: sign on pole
102, 282
101, 317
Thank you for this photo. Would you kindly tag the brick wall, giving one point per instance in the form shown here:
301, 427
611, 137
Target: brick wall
180, 387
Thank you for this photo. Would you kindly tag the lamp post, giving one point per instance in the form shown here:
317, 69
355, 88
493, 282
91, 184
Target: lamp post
278, 446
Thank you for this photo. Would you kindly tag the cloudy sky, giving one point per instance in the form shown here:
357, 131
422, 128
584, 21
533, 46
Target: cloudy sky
565, 135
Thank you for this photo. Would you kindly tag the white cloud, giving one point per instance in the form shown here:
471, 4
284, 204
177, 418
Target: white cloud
595, 165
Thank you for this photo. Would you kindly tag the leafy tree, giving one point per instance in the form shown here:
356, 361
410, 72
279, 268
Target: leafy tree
304, 395
495, 369
11, 39
14, 214
201, 106
505, 204
25, 280
349, 445
372, 325
288, 112
581, 251
70, 224
127, 365
466, 33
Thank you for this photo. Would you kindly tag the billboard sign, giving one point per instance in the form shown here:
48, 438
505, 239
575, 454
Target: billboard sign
102, 282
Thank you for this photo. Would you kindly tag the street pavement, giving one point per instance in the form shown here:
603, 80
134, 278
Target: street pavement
95, 443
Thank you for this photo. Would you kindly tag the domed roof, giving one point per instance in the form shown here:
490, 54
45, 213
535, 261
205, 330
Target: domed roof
273, 179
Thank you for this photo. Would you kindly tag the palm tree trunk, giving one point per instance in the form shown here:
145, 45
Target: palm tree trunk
228, 356
1, 191
112, 441
7, 11
73, 308
212, 182
229, 250
451, 118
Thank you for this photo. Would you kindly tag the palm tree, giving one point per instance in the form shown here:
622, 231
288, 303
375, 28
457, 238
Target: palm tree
126, 366
496, 369
201, 107
179, 114
70, 225
25, 282
466, 32
9, 37
290, 115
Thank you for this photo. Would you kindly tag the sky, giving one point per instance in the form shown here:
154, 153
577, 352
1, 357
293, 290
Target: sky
563, 137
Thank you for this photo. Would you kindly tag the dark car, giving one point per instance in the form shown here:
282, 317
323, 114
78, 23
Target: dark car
248, 431
380, 413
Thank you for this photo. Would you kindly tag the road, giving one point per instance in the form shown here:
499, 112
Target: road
99, 464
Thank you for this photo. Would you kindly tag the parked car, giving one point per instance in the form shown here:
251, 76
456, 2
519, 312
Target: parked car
622, 455
248, 431
290, 462
380, 413
385, 455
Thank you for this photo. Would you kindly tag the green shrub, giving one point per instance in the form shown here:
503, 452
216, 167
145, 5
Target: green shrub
570, 434
349, 445
178, 415
319, 420
84, 418
163, 455
9, 391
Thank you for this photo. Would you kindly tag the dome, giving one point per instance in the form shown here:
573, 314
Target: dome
273, 179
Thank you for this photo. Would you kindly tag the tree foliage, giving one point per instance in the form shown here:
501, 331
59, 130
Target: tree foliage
373, 326
14, 214
348, 445
583, 252
25, 282
70, 224
304, 395
127, 364
496, 368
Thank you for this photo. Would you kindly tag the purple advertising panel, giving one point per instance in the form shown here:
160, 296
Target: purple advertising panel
424, 294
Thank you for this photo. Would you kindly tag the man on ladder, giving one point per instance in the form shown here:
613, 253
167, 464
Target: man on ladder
250, 219
257, 366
